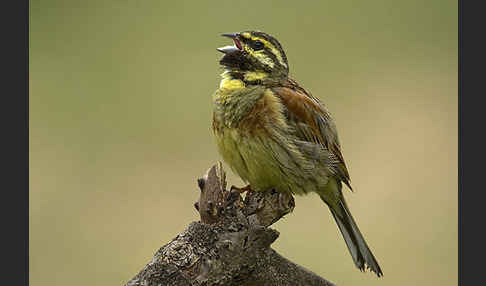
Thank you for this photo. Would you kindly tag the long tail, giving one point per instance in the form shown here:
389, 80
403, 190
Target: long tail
355, 242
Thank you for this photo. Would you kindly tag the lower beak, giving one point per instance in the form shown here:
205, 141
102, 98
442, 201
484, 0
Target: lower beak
230, 49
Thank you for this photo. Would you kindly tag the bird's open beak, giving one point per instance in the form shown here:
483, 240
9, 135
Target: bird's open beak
236, 47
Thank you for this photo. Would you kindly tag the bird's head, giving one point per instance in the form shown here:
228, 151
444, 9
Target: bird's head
255, 53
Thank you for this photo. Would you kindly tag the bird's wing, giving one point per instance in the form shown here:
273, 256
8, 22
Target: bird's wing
312, 122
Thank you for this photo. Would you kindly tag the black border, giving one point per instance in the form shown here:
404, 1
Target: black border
14, 21
471, 78
14, 118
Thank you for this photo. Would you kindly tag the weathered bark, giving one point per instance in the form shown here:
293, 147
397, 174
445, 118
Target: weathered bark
231, 243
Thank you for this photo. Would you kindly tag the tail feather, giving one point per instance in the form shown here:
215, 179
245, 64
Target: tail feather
359, 250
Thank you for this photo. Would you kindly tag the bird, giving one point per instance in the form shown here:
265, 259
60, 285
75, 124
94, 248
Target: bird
275, 135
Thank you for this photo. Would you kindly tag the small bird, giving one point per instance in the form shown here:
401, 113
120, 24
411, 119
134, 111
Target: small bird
275, 135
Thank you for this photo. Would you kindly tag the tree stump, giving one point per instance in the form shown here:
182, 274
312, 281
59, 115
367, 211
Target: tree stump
231, 243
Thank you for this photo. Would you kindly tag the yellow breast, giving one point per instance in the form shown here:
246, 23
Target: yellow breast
251, 148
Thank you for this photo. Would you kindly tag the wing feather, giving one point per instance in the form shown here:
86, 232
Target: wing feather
312, 122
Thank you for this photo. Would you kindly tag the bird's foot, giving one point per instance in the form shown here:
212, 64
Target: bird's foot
235, 194
240, 190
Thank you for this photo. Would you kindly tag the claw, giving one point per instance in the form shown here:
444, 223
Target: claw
241, 190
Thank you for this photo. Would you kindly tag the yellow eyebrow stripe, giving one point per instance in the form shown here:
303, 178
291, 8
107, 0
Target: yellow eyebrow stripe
274, 50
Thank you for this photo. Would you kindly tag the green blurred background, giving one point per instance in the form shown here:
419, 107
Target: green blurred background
120, 115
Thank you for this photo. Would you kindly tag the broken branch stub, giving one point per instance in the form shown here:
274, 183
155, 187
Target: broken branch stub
231, 243
261, 208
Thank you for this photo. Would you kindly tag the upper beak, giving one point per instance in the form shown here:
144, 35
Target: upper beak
231, 35
230, 49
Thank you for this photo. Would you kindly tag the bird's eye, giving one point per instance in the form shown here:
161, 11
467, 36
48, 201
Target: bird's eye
257, 45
